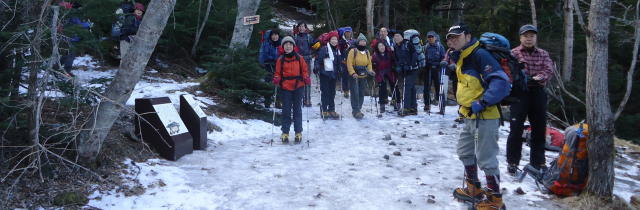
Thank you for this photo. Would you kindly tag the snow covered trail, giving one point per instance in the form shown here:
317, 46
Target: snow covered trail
342, 168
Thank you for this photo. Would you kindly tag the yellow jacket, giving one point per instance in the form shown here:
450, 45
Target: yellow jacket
360, 60
480, 78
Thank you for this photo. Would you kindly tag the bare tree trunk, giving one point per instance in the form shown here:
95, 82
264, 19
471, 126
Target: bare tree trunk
201, 28
89, 141
32, 91
385, 13
567, 59
534, 19
634, 61
599, 117
242, 33
369, 13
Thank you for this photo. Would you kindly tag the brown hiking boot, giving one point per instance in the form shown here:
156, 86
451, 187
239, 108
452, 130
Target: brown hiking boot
493, 201
346, 93
334, 115
469, 193
326, 115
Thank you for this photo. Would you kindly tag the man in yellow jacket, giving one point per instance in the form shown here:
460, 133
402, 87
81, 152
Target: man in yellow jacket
482, 84
359, 67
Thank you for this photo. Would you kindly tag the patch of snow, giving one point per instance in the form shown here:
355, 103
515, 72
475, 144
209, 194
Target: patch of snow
304, 11
85, 61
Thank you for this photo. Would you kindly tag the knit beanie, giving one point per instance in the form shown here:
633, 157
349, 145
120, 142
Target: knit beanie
362, 37
288, 39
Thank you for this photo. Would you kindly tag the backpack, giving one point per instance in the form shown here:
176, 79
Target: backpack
418, 49
567, 175
263, 35
116, 27
359, 71
297, 78
498, 46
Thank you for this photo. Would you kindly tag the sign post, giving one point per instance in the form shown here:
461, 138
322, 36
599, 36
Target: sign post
162, 127
195, 120
250, 20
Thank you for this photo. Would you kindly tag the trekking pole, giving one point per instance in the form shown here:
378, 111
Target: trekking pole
404, 88
319, 91
273, 117
429, 81
394, 95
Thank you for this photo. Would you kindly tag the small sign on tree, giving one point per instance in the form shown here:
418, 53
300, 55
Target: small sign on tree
250, 20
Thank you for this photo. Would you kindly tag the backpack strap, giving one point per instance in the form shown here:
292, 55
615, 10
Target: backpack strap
297, 78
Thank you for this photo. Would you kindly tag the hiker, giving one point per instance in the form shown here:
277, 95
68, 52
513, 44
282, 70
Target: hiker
407, 67
382, 62
291, 76
304, 40
434, 52
130, 28
532, 105
327, 65
345, 43
398, 91
482, 84
126, 7
383, 36
359, 66
72, 37
267, 59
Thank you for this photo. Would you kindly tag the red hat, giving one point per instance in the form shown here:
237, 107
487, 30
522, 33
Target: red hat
139, 6
334, 33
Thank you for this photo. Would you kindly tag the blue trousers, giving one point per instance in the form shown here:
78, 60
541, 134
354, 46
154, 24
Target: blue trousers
292, 100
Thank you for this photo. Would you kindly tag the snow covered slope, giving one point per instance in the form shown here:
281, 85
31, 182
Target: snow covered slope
342, 167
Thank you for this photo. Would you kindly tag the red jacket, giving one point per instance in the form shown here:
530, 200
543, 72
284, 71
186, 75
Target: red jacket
289, 74
383, 66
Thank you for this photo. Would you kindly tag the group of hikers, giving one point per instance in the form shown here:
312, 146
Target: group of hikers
480, 80
128, 18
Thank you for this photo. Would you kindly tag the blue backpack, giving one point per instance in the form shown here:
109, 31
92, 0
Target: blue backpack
499, 47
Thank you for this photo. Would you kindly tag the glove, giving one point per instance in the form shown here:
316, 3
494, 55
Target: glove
373, 74
355, 76
307, 80
276, 81
477, 107
537, 77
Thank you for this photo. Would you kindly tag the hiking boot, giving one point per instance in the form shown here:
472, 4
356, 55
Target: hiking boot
469, 193
358, 115
307, 103
326, 115
427, 108
298, 138
334, 115
345, 93
382, 109
404, 112
284, 138
492, 201
512, 169
278, 105
413, 112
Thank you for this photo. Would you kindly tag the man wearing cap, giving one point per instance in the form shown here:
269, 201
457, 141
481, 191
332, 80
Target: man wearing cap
482, 84
434, 52
532, 104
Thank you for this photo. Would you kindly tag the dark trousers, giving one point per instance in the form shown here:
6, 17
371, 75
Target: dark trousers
292, 100
432, 78
357, 93
345, 78
410, 101
67, 61
328, 93
533, 104
383, 92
